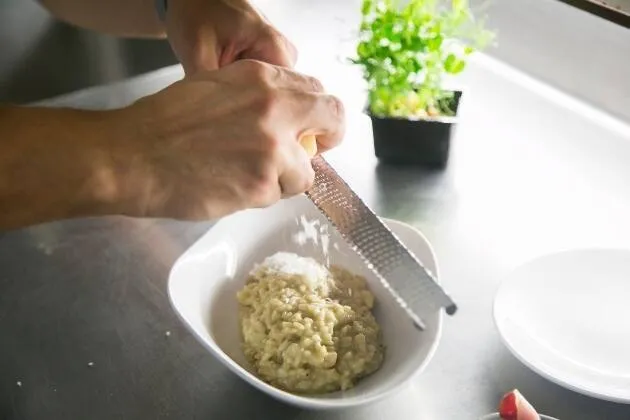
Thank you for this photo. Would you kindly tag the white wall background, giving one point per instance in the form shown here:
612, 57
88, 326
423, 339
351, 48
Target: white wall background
568, 48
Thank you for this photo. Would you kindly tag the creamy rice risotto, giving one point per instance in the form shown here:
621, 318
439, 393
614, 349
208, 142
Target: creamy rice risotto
307, 329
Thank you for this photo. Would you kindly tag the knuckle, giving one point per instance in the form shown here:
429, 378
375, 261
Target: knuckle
269, 153
315, 84
272, 148
263, 105
267, 104
264, 169
336, 106
262, 189
259, 71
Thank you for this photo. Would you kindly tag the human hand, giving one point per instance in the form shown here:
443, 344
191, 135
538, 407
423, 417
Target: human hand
223, 141
514, 406
210, 34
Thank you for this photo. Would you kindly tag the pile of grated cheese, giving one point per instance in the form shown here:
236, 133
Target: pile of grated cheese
318, 278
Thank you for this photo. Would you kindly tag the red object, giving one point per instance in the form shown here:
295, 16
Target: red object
507, 407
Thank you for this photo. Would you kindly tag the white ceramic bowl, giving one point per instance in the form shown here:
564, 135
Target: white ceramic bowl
204, 281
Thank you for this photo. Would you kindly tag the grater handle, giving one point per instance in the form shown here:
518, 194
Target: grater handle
309, 143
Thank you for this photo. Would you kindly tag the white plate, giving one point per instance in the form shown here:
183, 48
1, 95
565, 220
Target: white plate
204, 281
496, 416
567, 317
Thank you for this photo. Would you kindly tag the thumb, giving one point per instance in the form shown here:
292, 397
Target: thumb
204, 59
199, 56
514, 406
273, 48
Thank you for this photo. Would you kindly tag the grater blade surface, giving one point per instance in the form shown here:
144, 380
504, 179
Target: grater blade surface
412, 285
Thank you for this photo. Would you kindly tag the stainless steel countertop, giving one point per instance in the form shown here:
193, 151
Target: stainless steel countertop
531, 172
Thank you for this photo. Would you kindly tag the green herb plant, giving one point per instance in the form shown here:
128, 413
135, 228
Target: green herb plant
406, 48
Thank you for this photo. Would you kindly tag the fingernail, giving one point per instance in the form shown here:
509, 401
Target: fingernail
507, 406
514, 406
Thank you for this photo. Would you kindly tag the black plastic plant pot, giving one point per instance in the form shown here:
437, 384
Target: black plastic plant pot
422, 142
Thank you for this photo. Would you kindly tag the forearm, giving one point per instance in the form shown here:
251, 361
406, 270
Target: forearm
128, 18
56, 164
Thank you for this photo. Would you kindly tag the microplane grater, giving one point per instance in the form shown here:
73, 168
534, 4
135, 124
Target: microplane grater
412, 285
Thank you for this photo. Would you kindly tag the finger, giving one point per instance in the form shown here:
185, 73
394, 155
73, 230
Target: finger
272, 48
319, 115
200, 64
284, 78
293, 52
268, 75
515, 407
296, 172
292, 80
524, 410
202, 56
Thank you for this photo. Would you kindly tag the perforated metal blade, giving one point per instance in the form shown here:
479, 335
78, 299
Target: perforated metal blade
411, 284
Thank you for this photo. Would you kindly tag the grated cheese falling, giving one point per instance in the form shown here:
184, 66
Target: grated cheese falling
317, 276
317, 233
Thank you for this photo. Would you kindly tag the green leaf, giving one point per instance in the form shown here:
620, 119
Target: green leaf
364, 50
366, 7
434, 44
449, 63
403, 49
458, 67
